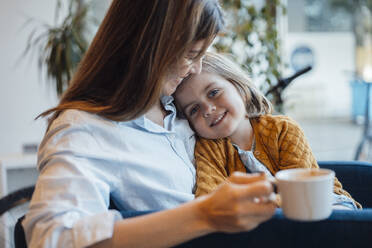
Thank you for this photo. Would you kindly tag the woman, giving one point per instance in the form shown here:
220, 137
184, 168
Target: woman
115, 133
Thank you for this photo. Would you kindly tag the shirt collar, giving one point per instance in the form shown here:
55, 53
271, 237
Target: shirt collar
167, 101
143, 122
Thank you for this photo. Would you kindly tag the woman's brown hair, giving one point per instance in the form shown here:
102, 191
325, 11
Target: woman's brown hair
256, 103
121, 75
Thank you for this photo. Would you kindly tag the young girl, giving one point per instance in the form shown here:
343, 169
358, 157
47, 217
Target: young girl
237, 131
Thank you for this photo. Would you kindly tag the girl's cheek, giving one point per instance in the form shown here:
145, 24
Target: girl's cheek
200, 125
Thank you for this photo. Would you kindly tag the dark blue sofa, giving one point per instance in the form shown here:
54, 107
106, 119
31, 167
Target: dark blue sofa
349, 229
343, 229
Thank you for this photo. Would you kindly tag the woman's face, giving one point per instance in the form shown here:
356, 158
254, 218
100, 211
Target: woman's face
186, 66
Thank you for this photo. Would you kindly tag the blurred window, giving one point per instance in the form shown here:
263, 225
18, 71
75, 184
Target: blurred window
319, 16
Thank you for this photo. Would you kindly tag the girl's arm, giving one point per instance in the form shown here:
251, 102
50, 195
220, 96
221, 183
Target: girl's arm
215, 160
229, 209
295, 152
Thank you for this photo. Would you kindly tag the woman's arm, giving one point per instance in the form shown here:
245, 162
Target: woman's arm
229, 209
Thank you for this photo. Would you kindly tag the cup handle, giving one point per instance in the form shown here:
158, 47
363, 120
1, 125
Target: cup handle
274, 184
275, 196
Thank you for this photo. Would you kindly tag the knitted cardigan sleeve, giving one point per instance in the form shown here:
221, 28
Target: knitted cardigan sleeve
288, 147
215, 160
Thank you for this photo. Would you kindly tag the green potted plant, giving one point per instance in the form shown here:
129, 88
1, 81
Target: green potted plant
252, 36
61, 46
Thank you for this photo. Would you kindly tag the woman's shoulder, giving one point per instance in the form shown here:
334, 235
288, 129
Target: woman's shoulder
75, 130
78, 120
75, 117
81, 134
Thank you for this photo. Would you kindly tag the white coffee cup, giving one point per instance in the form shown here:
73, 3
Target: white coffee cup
306, 194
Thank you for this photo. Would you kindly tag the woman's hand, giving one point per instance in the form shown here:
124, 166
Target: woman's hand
240, 204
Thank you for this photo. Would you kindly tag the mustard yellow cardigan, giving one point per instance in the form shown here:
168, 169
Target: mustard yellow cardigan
279, 144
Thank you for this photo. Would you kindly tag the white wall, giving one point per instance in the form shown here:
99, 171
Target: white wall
23, 94
324, 91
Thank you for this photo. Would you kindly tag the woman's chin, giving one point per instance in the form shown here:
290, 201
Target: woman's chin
168, 91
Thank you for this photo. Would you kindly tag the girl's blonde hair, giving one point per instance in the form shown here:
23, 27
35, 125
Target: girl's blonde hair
256, 103
122, 74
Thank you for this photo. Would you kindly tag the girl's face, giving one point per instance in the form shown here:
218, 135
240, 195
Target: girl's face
188, 65
213, 106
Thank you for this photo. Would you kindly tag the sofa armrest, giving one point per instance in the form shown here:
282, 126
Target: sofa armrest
355, 177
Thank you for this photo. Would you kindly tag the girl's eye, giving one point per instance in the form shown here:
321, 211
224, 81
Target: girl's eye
213, 92
193, 110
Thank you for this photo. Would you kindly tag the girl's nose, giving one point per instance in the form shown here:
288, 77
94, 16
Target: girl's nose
208, 110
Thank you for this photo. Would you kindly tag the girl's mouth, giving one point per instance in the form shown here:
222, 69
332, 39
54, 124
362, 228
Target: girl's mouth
218, 120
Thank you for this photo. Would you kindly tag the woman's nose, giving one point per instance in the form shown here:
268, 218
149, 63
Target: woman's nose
210, 108
196, 66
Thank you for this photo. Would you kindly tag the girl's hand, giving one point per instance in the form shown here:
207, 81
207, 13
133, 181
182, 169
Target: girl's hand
240, 204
